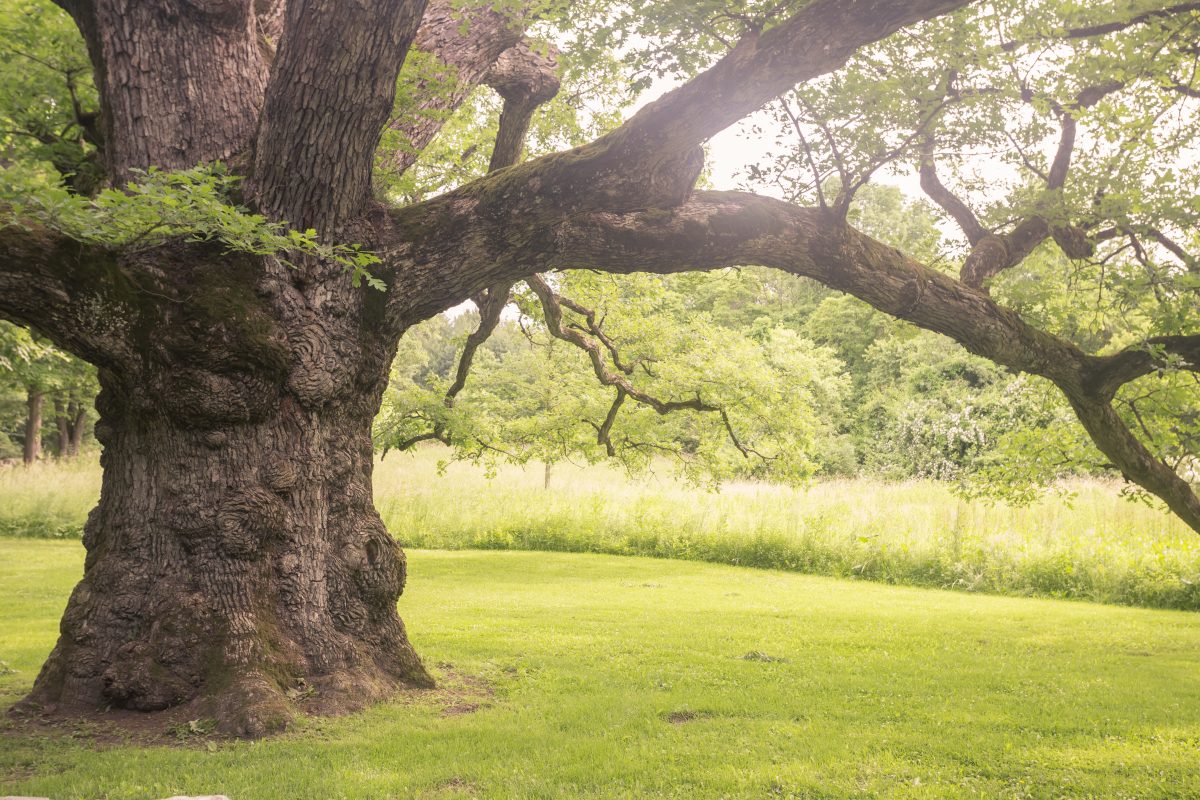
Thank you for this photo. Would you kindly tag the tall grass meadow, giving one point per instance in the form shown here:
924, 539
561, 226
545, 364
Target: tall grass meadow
1092, 545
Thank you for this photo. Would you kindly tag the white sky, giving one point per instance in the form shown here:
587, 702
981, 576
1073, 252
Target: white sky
731, 150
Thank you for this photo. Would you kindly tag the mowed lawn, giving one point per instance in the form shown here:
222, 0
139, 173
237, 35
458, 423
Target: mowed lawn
625, 677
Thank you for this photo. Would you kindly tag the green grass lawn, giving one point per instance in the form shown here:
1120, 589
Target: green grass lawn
627, 677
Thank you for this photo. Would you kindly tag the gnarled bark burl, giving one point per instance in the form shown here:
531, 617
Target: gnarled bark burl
235, 553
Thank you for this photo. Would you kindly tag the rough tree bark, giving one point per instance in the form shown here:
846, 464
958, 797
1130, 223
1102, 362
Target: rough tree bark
235, 549
235, 554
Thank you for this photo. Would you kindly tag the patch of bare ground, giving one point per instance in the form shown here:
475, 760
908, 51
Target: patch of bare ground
456, 787
457, 692
684, 716
100, 728
186, 726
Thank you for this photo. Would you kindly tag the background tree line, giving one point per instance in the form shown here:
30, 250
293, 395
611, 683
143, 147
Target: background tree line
46, 398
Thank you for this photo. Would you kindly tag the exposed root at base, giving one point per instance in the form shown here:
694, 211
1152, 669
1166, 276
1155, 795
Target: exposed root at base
252, 707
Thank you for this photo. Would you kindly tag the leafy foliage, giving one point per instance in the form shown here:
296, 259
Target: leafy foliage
48, 103
532, 396
195, 204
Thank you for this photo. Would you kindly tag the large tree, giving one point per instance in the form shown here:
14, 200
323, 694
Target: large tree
235, 554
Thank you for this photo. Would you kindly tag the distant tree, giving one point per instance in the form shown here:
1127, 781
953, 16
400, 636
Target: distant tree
47, 379
235, 554
719, 398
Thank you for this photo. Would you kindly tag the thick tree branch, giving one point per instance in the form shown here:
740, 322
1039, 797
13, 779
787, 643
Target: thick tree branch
816, 40
580, 210
725, 229
75, 295
180, 83
525, 78
1137, 464
1091, 31
331, 89
466, 45
995, 253
722, 229
933, 187
1110, 373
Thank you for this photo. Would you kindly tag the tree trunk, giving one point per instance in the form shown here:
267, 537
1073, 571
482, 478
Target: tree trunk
235, 555
180, 83
33, 426
226, 567
64, 428
546, 475
76, 423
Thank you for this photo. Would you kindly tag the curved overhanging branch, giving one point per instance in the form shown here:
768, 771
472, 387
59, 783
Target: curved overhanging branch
1136, 463
1158, 353
74, 294
719, 229
491, 303
722, 229
949, 202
